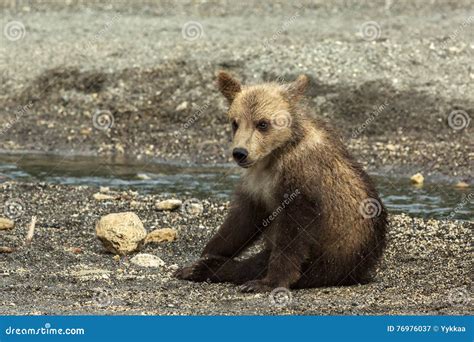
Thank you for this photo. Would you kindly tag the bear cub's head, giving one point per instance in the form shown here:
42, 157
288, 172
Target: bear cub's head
263, 117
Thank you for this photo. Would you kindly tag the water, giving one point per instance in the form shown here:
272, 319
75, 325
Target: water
433, 200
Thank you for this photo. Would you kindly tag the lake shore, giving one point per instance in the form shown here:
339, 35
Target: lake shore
130, 83
66, 270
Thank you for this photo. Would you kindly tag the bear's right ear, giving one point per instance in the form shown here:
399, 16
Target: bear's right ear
228, 86
297, 88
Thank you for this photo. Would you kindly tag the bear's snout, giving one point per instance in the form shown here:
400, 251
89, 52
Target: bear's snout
240, 155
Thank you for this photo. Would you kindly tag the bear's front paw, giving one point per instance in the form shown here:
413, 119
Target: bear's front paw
196, 272
255, 286
201, 270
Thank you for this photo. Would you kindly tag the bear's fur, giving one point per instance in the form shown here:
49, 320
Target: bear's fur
321, 218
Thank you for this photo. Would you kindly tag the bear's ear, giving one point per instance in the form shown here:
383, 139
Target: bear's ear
228, 86
297, 88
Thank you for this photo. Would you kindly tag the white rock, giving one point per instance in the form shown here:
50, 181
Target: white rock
147, 260
182, 106
170, 204
143, 176
103, 197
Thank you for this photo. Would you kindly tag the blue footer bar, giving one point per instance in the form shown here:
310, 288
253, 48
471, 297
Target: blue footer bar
236, 328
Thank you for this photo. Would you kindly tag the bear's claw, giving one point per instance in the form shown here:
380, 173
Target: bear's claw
255, 286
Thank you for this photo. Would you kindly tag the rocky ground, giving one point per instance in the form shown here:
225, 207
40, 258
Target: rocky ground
426, 269
395, 77
135, 80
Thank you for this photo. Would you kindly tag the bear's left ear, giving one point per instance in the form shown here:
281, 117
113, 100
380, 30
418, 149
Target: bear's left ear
228, 86
297, 88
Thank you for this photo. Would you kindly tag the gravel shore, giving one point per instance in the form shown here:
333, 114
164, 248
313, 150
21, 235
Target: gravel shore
426, 269
136, 81
394, 77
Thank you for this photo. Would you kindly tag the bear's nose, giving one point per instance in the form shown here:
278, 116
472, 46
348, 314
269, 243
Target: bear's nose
240, 154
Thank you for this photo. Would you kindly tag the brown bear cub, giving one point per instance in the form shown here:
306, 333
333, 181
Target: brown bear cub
320, 216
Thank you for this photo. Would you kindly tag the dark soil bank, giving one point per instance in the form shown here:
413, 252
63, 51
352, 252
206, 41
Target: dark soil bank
391, 92
426, 268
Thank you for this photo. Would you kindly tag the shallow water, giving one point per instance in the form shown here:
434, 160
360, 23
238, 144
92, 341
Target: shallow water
433, 200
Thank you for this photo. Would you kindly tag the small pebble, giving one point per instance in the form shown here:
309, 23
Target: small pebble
4, 249
143, 176
462, 185
161, 235
170, 204
6, 223
417, 178
102, 197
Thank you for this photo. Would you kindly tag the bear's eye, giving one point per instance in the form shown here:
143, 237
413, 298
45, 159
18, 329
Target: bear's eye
263, 125
235, 125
